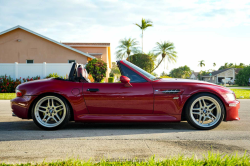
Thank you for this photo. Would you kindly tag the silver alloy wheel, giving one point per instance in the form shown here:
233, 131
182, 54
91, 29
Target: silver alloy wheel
205, 111
50, 111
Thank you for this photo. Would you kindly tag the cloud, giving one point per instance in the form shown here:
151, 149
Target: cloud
192, 21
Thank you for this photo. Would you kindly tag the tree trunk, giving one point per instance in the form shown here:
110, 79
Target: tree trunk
142, 41
157, 65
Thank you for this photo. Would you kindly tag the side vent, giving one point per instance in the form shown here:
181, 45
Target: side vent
172, 91
168, 91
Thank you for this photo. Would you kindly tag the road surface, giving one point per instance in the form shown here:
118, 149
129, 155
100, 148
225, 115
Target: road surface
22, 141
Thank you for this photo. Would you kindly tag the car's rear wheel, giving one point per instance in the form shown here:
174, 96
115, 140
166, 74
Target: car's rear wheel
205, 111
51, 112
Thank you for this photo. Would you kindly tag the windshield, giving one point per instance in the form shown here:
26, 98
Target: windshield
143, 72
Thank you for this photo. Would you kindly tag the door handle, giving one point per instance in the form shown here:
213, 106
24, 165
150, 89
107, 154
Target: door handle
93, 90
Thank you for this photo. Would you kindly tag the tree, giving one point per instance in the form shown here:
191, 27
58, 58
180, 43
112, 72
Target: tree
242, 78
143, 61
181, 72
114, 70
201, 63
202, 73
231, 65
163, 74
144, 25
126, 47
214, 64
167, 51
97, 68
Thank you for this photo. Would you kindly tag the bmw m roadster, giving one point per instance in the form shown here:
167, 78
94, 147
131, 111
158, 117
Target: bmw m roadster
138, 97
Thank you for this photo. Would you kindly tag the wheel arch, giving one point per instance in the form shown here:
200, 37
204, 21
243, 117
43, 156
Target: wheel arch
54, 94
183, 117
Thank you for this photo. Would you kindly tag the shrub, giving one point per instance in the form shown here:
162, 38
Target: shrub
143, 61
54, 75
97, 68
243, 76
165, 77
111, 79
111, 75
8, 85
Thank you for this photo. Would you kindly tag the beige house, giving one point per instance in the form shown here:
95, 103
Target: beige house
21, 45
218, 76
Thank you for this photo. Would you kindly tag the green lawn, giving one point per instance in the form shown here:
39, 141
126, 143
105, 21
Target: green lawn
7, 96
210, 159
242, 92
239, 92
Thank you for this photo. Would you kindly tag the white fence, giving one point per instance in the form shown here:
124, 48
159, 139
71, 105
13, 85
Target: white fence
24, 70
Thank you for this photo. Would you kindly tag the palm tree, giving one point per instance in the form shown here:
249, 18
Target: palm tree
214, 64
153, 57
126, 47
144, 25
231, 65
166, 49
201, 63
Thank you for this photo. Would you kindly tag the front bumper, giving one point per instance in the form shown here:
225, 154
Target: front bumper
20, 106
232, 108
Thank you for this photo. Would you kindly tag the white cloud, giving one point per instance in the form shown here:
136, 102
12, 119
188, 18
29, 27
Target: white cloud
201, 29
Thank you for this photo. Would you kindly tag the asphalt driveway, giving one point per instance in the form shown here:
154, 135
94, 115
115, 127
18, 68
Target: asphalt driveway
22, 141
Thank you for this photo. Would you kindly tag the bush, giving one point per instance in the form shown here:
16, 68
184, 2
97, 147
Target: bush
242, 78
111, 79
143, 61
165, 77
54, 75
111, 75
97, 68
8, 85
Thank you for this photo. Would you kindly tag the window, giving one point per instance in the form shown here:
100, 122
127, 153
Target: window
71, 61
143, 72
29, 61
134, 77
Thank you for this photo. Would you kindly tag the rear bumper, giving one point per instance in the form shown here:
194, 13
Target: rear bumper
20, 106
232, 108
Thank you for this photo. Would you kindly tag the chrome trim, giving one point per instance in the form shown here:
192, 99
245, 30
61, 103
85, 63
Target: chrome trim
171, 91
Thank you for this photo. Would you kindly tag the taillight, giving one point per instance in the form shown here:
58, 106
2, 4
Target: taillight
19, 93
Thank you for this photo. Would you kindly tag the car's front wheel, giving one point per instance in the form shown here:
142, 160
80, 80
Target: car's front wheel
51, 112
205, 111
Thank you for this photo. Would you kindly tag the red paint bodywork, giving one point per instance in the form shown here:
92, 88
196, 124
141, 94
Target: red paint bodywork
116, 102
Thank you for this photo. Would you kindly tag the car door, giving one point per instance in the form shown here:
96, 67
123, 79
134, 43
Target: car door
115, 98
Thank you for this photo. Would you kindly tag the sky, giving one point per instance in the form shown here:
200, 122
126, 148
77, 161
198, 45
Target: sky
216, 31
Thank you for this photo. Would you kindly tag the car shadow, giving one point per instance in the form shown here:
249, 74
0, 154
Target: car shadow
27, 130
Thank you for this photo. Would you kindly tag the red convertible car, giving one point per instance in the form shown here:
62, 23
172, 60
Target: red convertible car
138, 97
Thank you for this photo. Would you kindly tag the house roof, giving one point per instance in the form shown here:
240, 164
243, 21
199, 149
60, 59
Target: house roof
237, 70
44, 37
218, 72
88, 44
195, 73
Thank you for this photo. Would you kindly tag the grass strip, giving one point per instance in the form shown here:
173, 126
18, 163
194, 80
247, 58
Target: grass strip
7, 96
210, 159
242, 92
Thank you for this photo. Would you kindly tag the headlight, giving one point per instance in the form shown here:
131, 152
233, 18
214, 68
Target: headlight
230, 97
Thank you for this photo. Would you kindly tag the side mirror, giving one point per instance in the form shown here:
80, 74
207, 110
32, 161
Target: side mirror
126, 81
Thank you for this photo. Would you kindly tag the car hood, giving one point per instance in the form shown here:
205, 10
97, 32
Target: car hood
189, 82
183, 81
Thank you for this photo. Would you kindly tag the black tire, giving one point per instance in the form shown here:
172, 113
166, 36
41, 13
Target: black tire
190, 114
65, 109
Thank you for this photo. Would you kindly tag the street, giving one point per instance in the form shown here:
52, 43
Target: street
22, 141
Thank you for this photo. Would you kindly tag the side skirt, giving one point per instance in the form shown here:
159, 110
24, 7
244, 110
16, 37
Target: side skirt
127, 118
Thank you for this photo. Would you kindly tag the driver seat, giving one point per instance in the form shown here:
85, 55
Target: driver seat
81, 71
